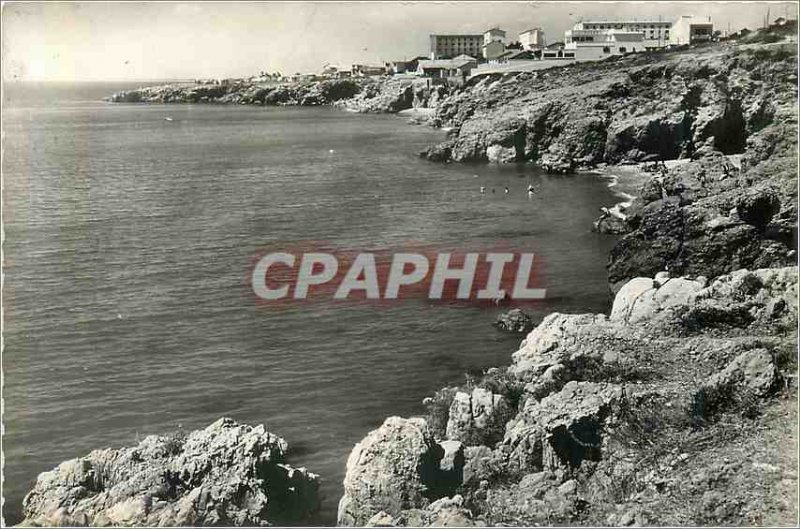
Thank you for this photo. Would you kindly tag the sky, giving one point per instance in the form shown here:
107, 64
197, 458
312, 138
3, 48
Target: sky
93, 41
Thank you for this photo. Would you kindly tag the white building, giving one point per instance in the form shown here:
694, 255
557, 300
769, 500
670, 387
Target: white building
532, 39
494, 35
593, 44
655, 31
494, 43
691, 30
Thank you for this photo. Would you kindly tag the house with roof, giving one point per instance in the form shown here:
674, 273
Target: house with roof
404, 66
451, 70
367, 70
511, 55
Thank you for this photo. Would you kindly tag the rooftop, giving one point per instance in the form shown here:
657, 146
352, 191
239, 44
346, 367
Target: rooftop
625, 20
512, 54
476, 35
447, 63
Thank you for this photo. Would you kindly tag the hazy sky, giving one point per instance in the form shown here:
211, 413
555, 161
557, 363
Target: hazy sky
159, 40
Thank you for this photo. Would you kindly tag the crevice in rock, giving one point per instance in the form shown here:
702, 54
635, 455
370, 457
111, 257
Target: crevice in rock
730, 133
440, 483
578, 442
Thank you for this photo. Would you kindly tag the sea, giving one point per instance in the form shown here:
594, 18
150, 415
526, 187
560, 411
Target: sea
130, 231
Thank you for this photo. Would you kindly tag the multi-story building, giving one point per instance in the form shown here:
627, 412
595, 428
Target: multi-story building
449, 46
493, 43
532, 39
494, 35
592, 44
655, 31
691, 30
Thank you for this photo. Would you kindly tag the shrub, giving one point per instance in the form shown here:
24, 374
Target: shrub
500, 382
709, 402
439, 411
617, 371
173, 443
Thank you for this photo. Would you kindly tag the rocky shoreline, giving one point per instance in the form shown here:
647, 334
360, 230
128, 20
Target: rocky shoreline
640, 417
677, 408
360, 94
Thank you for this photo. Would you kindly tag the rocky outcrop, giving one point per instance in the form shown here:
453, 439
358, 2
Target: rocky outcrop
445, 512
397, 467
360, 94
710, 217
596, 406
388, 96
514, 320
638, 108
476, 416
226, 474
247, 93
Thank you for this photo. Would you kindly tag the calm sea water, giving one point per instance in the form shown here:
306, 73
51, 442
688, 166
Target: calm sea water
128, 242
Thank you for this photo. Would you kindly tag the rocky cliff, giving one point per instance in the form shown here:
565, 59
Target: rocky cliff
727, 112
678, 407
226, 474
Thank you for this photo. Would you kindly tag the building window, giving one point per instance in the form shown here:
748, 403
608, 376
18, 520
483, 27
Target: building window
606, 49
622, 50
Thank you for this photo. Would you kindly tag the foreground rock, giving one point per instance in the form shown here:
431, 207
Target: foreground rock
397, 467
226, 474
602, 416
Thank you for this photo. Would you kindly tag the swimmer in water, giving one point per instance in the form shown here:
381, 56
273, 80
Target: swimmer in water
506, 190
483, 189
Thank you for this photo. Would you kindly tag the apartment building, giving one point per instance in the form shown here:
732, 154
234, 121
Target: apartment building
655, 31
449, 46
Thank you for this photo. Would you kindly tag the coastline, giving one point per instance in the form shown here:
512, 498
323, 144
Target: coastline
642, 415
482, 465
550, 438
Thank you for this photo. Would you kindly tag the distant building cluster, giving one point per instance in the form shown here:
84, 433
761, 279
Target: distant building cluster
453, 58
590, 39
